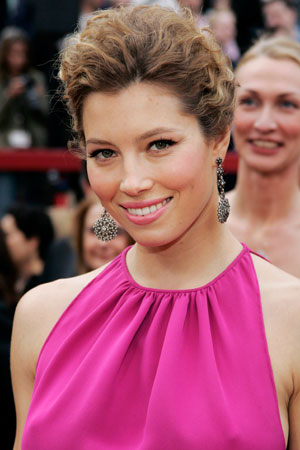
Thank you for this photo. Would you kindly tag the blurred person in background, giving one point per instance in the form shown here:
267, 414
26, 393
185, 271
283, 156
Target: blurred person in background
37, 254
265, 204
223, 24
23, 99
28, 232
281, 18
92, 252
23, 114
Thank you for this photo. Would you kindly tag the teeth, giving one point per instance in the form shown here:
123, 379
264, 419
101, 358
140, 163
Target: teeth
147, 209
265, 144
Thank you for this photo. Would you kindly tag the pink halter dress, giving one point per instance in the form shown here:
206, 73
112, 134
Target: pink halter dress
129, 367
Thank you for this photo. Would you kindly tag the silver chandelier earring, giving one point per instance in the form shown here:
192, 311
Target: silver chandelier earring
223, 206
105, 227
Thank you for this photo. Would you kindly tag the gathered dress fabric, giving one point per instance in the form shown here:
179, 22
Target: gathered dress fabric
136, 368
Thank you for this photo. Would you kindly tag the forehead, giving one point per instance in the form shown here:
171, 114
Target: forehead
267, 74
134, 108
275, 7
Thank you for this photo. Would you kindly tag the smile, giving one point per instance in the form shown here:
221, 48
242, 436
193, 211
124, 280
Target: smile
148, 209
265, 144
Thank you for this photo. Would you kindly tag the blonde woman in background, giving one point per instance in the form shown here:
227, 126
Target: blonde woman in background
265, 204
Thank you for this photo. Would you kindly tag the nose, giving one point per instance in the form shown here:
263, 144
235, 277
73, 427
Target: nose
265, 121
136, 178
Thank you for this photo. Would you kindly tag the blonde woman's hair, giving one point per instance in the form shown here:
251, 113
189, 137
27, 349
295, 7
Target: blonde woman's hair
279, 47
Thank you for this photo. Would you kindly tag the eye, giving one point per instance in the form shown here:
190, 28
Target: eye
161, 144
103, 154
248, 101
289, 104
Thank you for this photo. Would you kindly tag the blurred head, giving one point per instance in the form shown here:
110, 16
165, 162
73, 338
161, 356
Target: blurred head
124, 46
194, 5
280, 16
267, 117
223, 24
28, 232
93, 253
221, 4
14, 52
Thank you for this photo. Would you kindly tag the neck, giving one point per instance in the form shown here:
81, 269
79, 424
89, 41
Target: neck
190, 262
266, 198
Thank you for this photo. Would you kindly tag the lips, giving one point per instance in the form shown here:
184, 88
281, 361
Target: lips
143, 213
265, 144
145, 208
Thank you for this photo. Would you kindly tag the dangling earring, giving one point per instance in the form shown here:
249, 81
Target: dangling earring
223, 206
105, 227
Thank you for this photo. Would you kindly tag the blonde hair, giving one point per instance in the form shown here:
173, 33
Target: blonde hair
149, 44
279, 47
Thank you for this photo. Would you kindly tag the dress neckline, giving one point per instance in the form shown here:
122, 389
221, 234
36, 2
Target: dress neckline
130, 279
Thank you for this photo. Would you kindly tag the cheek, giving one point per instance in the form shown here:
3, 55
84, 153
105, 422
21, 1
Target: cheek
291, 127
186, 171
103, 182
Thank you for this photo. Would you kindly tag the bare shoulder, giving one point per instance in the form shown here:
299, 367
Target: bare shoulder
40, 308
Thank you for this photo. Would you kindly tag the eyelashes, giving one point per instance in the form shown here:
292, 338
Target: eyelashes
156, 147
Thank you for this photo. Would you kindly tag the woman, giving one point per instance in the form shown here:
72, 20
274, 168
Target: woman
92, 252
23, 100
154, 350
28, 234
23, 114
266, 201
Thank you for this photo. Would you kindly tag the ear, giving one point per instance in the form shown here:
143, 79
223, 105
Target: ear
220, 146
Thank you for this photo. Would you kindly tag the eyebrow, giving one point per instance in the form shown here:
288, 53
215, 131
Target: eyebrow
283, 94
142, 137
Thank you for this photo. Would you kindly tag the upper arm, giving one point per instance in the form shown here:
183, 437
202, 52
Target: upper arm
36, 315
22, 368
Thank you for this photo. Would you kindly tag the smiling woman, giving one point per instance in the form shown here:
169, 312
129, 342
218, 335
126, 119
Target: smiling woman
266, 200
162, 332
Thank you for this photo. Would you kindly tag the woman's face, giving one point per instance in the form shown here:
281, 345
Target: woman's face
17, 57
149, 163
96, 252
267, 117
20, 248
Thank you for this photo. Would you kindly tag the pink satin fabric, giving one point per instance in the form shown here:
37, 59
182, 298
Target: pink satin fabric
128, 367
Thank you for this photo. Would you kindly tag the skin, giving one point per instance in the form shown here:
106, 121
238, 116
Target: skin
97, 252
280, 18
23, 251
265, 204
157, 151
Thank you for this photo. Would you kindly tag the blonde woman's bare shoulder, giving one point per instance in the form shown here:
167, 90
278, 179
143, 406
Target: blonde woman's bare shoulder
41, 307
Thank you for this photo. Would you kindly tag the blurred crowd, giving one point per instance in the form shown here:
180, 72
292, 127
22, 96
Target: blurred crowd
40, 242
